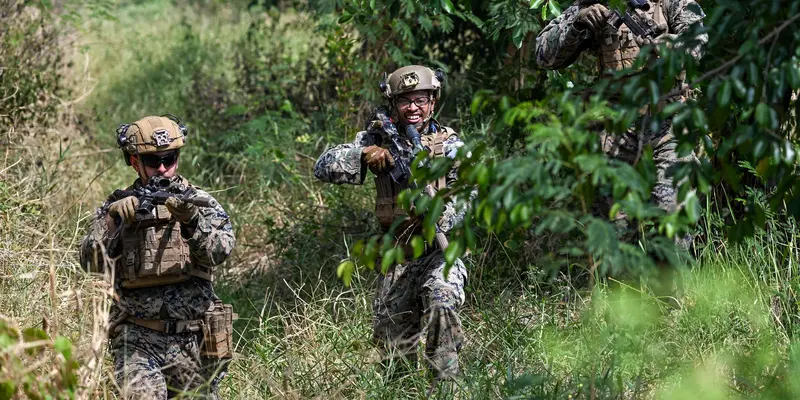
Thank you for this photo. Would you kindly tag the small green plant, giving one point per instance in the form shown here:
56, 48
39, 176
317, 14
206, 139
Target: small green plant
36, 365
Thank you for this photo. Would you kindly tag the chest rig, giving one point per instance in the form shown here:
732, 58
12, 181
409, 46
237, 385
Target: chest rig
386, 207
618, 46
154, 253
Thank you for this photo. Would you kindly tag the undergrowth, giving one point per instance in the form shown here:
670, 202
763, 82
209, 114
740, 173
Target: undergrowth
727, 332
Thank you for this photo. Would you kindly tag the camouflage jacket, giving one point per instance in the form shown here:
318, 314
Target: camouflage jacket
343, 164
210, 238
560, 42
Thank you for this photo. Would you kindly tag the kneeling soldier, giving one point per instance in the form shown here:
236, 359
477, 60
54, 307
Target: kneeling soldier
161, 238
414, 297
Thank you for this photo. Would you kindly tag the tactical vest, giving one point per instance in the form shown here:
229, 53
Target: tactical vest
386, 207
618, 47
154, 253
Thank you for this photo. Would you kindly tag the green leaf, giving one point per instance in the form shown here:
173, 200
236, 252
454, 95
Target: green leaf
601, 238
63, 346
555, 9
447, 5
759, 148
387, 260
762, 115
7, 390
345, 17
236, 110
518, 36
34, 334
693, 209
536, 3
454, 250
724, 97
345, 271
418, 245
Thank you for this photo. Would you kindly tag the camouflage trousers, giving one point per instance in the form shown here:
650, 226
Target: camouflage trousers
629, 148
414, 300
152, 365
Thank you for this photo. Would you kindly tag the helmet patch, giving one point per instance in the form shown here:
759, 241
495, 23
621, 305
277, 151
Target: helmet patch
161, 137
409, 80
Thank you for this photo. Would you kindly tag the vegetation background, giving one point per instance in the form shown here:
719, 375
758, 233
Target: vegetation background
556, 308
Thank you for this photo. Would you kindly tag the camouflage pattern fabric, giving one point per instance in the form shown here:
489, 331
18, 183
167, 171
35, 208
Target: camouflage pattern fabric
628, 147
560, 42
559, 45
154, 365
141, 353
211, 240
342, 164
414, 300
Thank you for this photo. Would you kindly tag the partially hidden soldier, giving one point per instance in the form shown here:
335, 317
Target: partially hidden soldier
413, 299
160, 240
589, 25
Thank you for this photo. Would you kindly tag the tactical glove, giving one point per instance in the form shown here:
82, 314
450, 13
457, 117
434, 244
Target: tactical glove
594, 18
377, 158
124, 208
181, 210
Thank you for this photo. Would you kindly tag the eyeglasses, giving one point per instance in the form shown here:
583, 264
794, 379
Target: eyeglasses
154, 161
419, 102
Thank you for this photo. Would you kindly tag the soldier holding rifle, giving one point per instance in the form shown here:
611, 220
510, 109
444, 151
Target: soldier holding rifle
160, 240
415, 298
617, 40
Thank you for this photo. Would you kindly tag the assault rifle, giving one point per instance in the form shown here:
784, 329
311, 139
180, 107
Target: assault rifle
639, 24
158, 190
389, 138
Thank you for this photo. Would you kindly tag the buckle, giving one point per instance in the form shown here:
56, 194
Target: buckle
170, 326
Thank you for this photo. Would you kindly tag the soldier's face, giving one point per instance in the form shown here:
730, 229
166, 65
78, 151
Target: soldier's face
158, 168
414, 108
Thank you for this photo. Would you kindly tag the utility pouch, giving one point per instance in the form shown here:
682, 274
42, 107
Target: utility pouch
218, 331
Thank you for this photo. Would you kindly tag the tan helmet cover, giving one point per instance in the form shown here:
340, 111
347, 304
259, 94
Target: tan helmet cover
412, 78
152, 135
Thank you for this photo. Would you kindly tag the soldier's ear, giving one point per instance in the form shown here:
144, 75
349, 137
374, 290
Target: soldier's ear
135, 164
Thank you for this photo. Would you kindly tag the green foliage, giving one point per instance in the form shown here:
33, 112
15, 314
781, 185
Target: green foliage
554, 180
33, 364
265, 90
30, 78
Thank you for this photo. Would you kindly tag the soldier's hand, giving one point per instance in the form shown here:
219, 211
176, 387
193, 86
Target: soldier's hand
181, 210
124, 208
593, 17
377, 158
646, 41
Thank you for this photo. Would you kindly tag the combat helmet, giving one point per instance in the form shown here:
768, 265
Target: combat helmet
412, 78
151, 135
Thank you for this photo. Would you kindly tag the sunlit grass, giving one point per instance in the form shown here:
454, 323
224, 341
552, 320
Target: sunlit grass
728, 334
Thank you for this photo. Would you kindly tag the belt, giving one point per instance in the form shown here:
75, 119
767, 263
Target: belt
170, 326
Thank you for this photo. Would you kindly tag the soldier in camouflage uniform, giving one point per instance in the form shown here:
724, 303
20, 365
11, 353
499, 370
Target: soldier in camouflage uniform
585, 25
161, 264
415, 298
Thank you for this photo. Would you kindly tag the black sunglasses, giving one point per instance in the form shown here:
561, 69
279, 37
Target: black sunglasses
154, 161
419, 101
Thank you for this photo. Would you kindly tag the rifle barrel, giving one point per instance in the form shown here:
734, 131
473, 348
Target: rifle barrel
161, 197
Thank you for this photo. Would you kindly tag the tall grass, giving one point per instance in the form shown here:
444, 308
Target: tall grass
729, 332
